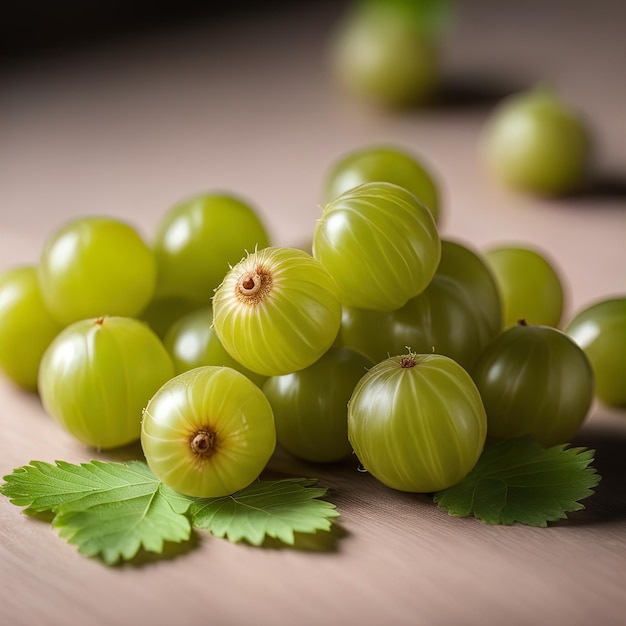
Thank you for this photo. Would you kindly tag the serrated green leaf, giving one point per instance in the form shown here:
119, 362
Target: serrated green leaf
117, 530
520, 481
275, 509
112, 510
106, 509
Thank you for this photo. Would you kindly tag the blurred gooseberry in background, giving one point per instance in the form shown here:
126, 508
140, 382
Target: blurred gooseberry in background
536, 142
387, 52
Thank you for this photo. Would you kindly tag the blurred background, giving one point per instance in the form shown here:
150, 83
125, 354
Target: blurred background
38, 27
124, 109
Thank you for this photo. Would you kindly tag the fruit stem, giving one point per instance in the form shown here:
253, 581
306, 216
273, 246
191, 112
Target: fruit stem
249, 283
408, 360
202, 443
253, 286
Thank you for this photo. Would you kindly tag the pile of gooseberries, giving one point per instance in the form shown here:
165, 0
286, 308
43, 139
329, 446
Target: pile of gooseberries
385, 341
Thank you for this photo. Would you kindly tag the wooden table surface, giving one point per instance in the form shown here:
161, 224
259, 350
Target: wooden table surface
130, 127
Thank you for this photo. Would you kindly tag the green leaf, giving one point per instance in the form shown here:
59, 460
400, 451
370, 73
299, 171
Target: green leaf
520, 481
112, 510
266, 509
106, 509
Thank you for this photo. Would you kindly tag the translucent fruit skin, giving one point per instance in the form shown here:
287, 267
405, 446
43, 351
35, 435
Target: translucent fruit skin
382, 164
530, 287
311, 406
534, 380
380, 244
442, 319
96, 266
600, 330
216, 399
199, 239
192, 342
26, 326
292, 327
535, 142
418, 429
381, 55
97, 376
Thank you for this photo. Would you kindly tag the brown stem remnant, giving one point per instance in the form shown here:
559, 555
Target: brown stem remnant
408, 360
249, 283
203, 443
253, 286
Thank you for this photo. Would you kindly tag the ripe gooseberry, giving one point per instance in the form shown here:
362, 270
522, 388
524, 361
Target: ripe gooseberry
26, 326
417, 422
600, 330
198, 239
469, 269
442, 319
98, 374
311, 406
96, 266
534, 380
379, 243
277, 311
208, 432
529, 285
